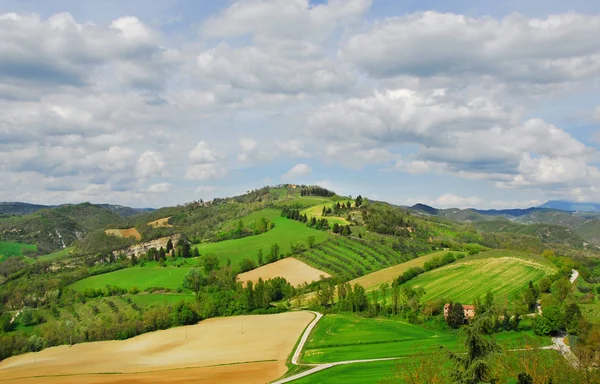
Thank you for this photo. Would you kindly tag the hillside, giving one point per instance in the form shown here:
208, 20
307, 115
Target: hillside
55, 228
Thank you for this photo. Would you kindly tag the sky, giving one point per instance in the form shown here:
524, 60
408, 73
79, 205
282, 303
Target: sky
449, 103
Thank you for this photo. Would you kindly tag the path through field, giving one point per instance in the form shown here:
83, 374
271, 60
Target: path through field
249, 349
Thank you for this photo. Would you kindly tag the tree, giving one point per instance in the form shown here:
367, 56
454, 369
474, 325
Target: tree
169, 245
358, 202
336, 228
247, 265
259, 256
209, 263
561, 288
573, 317
524, 378
395, 296
194, 280
541, 326
186, 250
274, 255
311, 241
456, 315
474, 366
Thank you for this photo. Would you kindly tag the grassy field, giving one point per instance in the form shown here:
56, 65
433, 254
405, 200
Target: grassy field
285, 232
473, 277
349, 258
8, 249
317, 210
387, 275
55, 255
350, 337
150, 275
363, 373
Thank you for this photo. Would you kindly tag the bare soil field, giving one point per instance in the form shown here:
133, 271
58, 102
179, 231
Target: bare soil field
130, 232
293, 270
161, 223
230, 349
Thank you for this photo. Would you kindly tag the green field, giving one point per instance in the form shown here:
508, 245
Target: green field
350, 337
473, 277
363, 373
150, 275
349, 258
55, 255
286, 231
8, 249
159, 299
317, 210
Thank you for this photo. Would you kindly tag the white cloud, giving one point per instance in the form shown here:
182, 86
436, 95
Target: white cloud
202, 153
297, 171
149, 164
159, 188
554, 49
206, 188
207, 171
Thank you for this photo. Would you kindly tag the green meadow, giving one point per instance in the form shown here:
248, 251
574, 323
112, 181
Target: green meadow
284, 233
150, 275
473, 277
8, 249
350, 337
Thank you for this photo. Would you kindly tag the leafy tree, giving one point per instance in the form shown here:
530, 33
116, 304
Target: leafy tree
5, 324
524, 378
209, 263
194, 280
456, 315
259, 256
474, 366
573, 318
247, 265
311, 241
561, 288
274, 254
541, 326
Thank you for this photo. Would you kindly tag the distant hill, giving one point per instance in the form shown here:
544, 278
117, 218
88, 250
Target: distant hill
571, 206
18, 208
54, 228
125, 211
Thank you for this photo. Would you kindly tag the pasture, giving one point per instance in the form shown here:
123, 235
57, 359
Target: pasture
350, 337
55, 255
291, 269
8, 248
463, 281
150, 275
239, 342
363, 373
317, 210
129, 232
387, 275
285, 233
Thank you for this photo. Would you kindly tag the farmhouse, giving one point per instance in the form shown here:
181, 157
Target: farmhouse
469, 311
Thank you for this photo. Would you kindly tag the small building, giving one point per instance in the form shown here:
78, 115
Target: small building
469, 311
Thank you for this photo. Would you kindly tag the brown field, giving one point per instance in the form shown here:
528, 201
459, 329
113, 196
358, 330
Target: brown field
130, 232
293, 270
387, 275
231, 349
164, 222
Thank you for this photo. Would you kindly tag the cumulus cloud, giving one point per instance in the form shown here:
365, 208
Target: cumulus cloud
297, 171
515, 48
206, 164
149, 164
159, 188
61, 51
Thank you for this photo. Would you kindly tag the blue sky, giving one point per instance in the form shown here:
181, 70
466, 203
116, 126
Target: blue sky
450, 103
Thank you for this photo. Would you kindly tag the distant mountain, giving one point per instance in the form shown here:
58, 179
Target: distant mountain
18, 208
425, 208
571, 206
125, 211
